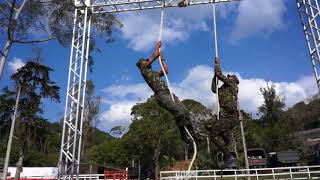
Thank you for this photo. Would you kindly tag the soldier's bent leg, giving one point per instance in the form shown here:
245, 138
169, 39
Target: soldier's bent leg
178, 110
226, 139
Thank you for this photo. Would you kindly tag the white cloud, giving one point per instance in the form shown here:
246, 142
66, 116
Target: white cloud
258, 17
139, 91
117, 115
196, 85
121, 98
250, 17
141, 29
15, 64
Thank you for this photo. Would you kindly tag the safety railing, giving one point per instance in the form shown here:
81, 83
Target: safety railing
298, 172
117, 175
81, 177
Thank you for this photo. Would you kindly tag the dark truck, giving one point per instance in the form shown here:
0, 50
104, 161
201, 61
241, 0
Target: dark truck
257, 158
284, 159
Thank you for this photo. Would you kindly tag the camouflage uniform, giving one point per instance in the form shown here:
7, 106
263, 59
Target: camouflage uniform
228, 94
163, 97
220, 129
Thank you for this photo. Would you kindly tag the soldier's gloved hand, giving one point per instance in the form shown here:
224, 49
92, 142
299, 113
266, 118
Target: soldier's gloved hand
217, 60
156, 52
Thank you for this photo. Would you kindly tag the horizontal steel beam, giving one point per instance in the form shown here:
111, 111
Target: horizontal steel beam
110, 6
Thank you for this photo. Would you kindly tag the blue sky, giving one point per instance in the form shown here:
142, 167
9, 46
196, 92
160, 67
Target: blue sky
258, 40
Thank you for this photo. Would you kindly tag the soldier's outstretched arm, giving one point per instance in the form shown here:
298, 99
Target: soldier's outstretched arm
218, 72
155, 54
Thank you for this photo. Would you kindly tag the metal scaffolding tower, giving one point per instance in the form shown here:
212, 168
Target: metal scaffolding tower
75, 97
108, 6
310, 17
69, 160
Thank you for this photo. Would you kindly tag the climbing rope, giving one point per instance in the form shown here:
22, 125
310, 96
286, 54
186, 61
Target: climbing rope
160, 57
194, 149
216, 53
189, 134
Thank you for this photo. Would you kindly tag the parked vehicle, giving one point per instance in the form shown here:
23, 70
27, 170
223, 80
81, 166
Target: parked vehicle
284, 159
257, 158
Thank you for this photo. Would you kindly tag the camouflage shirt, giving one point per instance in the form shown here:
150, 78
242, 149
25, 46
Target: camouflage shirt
228, 93
152, 78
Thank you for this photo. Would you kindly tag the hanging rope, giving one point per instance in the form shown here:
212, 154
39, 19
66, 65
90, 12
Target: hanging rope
160, 57
194, 149
189, 134
215, 29
216, 53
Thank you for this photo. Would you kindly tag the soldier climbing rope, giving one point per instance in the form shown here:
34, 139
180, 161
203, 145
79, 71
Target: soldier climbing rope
168, 83
217, 55
73, 118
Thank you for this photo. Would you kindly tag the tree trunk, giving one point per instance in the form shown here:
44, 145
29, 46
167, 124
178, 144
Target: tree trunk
20, 163
156, 160
3, 59
10, 32
157, 167
186, 152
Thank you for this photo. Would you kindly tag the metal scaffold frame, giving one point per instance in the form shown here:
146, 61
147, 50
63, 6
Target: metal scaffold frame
310, 17
75, 97
109, 6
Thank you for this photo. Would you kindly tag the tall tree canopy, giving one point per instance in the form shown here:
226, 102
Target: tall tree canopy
35, 83
272, 108
91, 111
36, 21
152, 135
276, 133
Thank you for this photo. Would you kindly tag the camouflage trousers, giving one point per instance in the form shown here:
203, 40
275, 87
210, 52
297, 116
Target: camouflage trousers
220, 131
179, 111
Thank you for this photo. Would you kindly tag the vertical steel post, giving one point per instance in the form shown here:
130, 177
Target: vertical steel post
13, 122
309, 175
244, 143
70, 152
309, 12
273, 175
244, 148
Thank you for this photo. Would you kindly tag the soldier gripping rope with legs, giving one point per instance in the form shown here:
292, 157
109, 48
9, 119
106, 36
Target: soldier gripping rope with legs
220, 129
162, 93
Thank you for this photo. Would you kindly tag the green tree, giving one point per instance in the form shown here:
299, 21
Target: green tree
277, 133
152, 136
305, 116
6, 109
35, 83
91, 111
51, 20
117, 131
200, 115
272, 108
111, 153
253, 133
